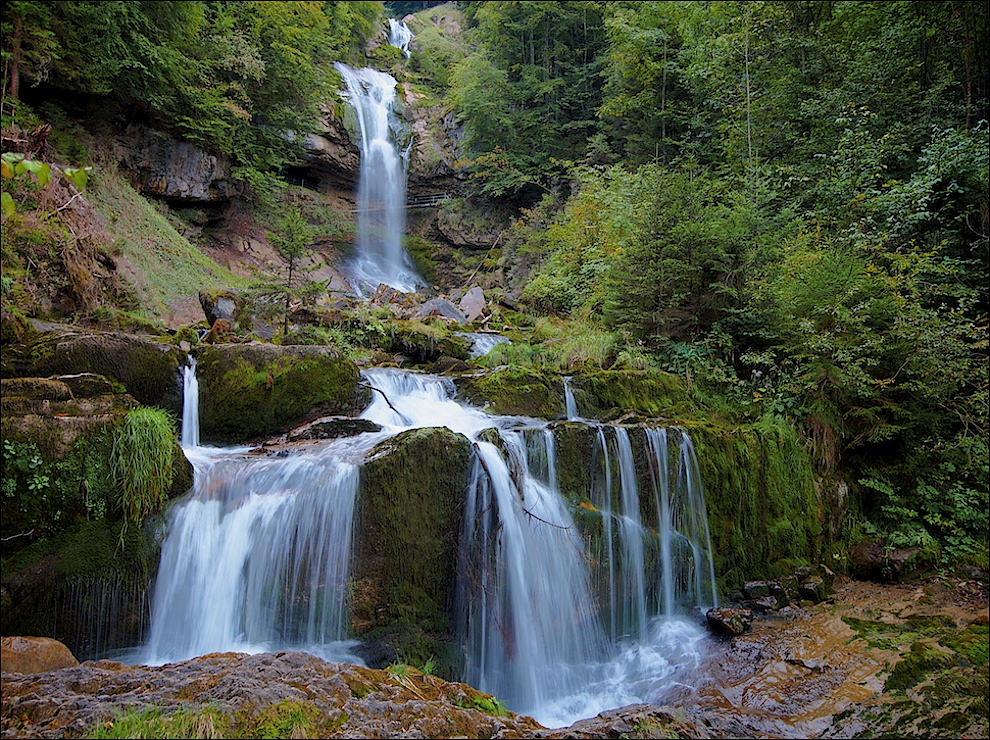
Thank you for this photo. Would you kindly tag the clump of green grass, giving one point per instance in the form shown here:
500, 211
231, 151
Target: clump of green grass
141, 461
152, 722
485, 703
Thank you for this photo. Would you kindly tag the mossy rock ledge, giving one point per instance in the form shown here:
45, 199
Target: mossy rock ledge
406, 540
149, 369
515, 392
254, 390
606, 393
764, 511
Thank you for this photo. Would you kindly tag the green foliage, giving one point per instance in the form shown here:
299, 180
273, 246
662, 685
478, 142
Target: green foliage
528, 98
438, 49
14, 164
141, 461
241, 78
44, 494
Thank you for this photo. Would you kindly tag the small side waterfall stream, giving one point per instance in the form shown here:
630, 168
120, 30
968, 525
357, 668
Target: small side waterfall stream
563, 610
189, 436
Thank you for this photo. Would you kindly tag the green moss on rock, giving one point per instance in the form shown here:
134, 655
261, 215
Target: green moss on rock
516, 391
51, 586
762, 509
423, 343
148, 369
248, 391
406, 540
650, 392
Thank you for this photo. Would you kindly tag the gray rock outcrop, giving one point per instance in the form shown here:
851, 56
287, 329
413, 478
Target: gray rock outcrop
163, 166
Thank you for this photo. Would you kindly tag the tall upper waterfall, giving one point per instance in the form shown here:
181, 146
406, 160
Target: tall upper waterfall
399, 35
381, 198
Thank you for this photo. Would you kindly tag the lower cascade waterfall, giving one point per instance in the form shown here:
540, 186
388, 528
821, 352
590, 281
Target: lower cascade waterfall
568, 602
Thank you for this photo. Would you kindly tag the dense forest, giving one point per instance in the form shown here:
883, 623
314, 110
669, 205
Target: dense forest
784, 202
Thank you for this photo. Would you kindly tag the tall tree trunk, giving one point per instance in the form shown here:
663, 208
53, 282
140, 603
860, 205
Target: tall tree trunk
663, 104
15, 59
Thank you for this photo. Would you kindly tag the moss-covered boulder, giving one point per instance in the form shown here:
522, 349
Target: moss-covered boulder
250, 391
515, 391
149, 370
406, 541
72, 569
87, 586
423, 343
610, 392
763, 511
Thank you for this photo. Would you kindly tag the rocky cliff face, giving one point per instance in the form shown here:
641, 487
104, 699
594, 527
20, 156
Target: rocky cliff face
163, 166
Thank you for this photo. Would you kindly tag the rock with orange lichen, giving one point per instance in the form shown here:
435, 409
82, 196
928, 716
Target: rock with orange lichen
34, 655
255, 695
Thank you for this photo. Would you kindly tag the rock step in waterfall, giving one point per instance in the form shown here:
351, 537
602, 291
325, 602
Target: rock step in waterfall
562, 610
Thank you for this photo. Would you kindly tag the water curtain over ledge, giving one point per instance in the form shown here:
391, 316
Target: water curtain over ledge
567, 602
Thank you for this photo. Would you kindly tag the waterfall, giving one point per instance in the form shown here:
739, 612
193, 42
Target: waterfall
529, 626
482, 344
256, 559
633, 620
399, 35
190, 406
563, 610
381, 197
562, 621
570, 405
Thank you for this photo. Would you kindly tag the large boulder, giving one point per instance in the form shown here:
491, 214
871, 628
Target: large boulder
729, 621
515, 391
34, 655
406, 542
58, 436
872, 560
69, 559
438, 307
473, 304
253, 390
425, 344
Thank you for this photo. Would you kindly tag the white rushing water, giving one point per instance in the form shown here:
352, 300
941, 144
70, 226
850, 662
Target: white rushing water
381, 198
399, 35
570, 405
560, 619
190, 406
482, 343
